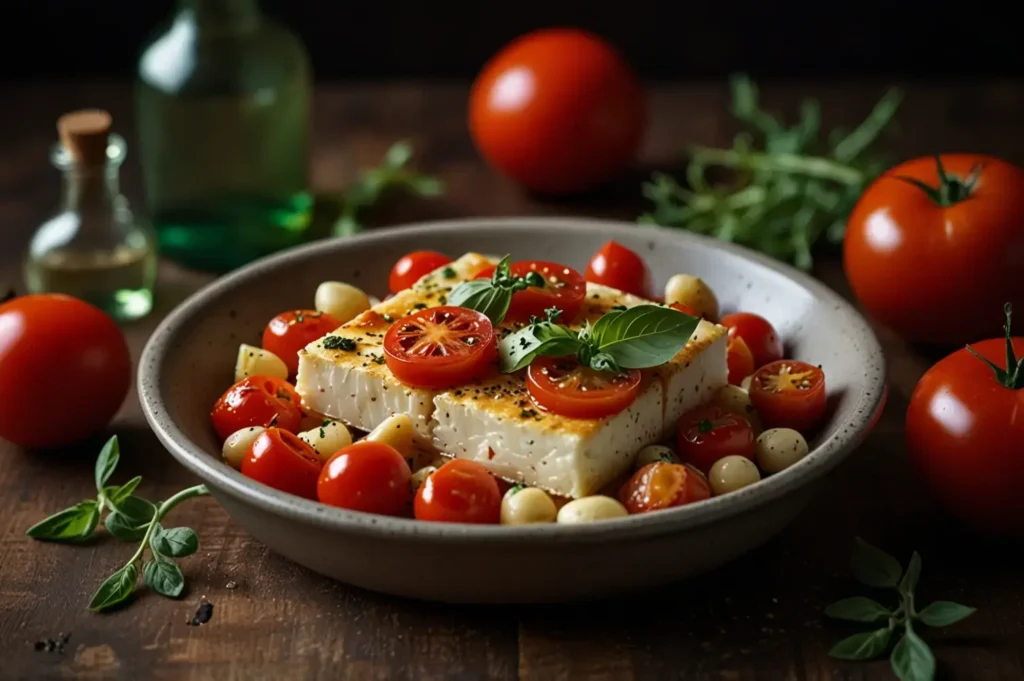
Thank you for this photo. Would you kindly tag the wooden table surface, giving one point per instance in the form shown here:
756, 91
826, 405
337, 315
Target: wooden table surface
758, 618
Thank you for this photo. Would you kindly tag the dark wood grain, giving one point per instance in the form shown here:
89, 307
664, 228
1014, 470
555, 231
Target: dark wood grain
758, 618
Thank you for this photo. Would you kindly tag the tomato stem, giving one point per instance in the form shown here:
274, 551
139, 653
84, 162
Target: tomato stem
952, 189
1013, 376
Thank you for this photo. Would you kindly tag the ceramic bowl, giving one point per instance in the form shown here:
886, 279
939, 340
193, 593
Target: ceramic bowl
188, 363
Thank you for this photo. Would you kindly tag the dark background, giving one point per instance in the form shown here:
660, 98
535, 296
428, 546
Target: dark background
680, 39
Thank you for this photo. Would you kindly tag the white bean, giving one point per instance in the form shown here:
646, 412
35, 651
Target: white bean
731, 473
341, 301
691, 291
397, 431
745, 383
328, 439
780, 448
236, 447
590, 509
736, 400
420, 476
254, 361
654, 453
527, 506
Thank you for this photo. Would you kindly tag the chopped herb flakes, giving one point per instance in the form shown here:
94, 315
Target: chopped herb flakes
449, 273
339, 343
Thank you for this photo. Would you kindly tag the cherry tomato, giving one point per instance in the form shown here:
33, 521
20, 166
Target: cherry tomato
289, 332
789, 394
366, 476
64, 370
563, 386
257, 401
965, 434
460, 491
685, 309
912, 258
708, 434
412, 267
739, 359
758, 334
281, 460
440, 347
662, 485
558, 111
564, 288
616, 266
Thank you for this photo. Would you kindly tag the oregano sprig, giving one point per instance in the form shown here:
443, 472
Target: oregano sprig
131, 519
911, 658
492, 297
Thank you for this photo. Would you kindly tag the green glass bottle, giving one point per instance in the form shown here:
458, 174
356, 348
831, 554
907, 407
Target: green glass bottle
223, 99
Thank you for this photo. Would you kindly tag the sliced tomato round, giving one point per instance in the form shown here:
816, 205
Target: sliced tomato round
789, 394
564, 387
564, 288
440, 347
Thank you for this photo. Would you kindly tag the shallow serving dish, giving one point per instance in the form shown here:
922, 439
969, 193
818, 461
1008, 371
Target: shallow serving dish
188, 363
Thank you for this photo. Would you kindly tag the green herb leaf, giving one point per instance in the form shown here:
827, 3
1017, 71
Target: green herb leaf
913, 574
643, 336
912, 659
116, 589
73, 524
858, 609
137, 509
398, 154
874, 567
163, 577
517, 350
116, 495
123, 528
107, 462
176, 542
945, 613
484, 297
865, 646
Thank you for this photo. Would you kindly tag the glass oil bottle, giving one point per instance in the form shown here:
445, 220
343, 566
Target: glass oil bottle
94, 248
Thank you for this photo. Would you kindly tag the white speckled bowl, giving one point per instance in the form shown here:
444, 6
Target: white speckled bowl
188, 363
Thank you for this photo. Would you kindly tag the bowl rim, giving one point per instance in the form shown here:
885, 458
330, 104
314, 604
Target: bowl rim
222, 478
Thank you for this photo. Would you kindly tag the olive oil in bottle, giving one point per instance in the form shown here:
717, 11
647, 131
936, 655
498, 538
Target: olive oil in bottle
223, 98
94, 248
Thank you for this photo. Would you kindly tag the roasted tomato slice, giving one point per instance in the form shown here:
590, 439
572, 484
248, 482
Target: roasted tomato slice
412, 267
289, 332
564, 288
440, 347
789, 394
564, 387
708, 434
661, 485
257, 401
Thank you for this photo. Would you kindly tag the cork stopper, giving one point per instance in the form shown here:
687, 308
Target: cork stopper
84, 134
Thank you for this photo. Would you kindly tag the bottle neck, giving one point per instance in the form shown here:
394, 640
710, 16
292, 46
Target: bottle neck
233, 15
90, 189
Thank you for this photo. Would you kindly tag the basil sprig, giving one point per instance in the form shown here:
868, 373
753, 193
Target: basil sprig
911, 658
636, 338
493, 296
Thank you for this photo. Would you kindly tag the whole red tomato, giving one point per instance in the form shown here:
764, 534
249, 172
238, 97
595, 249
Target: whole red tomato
460, 491
616, 266
366, 476
662, 485
558, 111
281, 460
289, 332
64, 370
412, 267
965, 433
929, 237
257, 401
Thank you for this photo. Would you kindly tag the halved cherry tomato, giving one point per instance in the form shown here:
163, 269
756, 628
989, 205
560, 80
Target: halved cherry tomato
759, 335
685, 309
366, 476
616, 266
440, 347
460, 491
563, 386
412, 267
661, 485
281, 460
564, 288
257, 401
289, 332
789, 394
708, 434
739, 359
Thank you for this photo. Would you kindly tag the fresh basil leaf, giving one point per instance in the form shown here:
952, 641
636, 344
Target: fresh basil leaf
602, 361
912, 575
163, 577
912, 659
643, 336
502, 271
874, 567
858, 609
865, 646
945, 613
70, 525
116, 495
517, 350
484, 297
106, 462
116, 589
123, 528
176, 542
